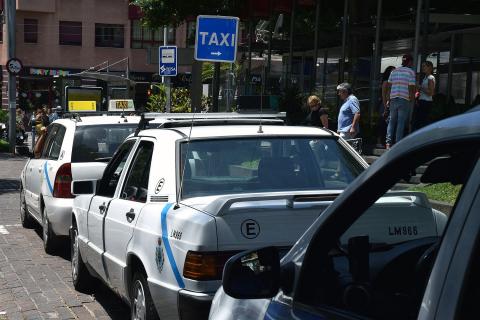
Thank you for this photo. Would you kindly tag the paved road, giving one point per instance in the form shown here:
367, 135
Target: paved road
34, 285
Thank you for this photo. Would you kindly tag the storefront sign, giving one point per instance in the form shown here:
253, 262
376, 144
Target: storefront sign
48, 72
82, 106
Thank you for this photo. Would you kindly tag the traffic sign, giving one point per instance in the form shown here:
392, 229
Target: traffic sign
216, 38
14, 66
167, 57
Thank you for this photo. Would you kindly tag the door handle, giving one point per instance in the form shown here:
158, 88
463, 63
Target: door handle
102, 208
130, 215
40, 169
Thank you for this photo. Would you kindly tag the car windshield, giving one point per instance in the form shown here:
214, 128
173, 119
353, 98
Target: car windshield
99, 142
226, 166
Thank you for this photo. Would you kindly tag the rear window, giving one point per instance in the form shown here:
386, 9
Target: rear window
226, 166
95, 143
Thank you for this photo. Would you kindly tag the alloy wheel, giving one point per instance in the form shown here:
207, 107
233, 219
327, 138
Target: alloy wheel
75, 255
139, 304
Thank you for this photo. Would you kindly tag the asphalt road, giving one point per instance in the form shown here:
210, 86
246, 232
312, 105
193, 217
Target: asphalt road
34, 285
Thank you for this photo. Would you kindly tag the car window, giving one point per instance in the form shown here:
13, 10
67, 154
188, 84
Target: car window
97, 142
377, 265
136, 186
51, 133
226, 166
56, 144
112, 172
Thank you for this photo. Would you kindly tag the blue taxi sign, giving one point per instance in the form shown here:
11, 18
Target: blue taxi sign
216, 39
167, 61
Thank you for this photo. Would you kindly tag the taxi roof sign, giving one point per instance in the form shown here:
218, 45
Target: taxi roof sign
121, 105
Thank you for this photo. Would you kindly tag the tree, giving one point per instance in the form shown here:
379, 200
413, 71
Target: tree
161, 13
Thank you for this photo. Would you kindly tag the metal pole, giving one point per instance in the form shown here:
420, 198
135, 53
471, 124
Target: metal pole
249, 69
315, 47
450, 67
166, 80
290, 51
341, 71
270, 37
324, 84
12, 79
418, 21
374, 86
426, 16
229, 90
216, 86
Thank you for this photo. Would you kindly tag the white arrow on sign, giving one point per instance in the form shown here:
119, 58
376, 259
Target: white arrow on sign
218, 53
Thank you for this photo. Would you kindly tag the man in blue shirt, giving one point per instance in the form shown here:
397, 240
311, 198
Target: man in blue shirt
349, 115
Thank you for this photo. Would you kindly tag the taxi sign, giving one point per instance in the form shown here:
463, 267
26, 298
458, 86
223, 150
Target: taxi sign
82, 106
121, 105
216, 39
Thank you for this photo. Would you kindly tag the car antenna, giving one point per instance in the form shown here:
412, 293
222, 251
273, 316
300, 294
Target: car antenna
260, 130
185, 160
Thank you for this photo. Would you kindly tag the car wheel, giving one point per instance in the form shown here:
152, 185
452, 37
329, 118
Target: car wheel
82, 280
141, 302
49, 238
27, 221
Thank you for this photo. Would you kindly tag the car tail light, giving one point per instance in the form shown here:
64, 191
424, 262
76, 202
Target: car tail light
206, 265
63, 182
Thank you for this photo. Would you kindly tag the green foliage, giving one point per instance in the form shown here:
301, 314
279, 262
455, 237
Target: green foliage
161, 13
3, 116
180, 100
445, 192
4, 146
208, 70
251, 164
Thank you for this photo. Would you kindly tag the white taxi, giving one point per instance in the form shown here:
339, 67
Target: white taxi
75, 148
176, 202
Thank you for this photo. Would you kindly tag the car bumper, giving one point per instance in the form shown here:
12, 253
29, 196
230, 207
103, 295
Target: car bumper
59, 213
180, 304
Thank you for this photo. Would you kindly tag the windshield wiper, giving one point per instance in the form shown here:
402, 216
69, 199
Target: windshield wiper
104, 159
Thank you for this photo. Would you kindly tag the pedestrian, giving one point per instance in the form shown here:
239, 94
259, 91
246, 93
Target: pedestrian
349, 114
383, 111
401, 92
55, 114
37, 150
318, 116
426, 89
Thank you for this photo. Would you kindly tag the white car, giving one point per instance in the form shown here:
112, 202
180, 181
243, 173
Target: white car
175, 203
75, 148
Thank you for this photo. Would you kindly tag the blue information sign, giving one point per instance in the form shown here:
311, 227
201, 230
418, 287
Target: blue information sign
216, 38
167, 61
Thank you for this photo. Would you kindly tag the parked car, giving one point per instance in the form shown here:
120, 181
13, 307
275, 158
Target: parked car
176, 202
341, 268
75, 148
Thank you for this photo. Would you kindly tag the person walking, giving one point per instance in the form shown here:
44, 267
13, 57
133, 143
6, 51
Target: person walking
349, 114
401, 92
383, 111
318, 116
425, 101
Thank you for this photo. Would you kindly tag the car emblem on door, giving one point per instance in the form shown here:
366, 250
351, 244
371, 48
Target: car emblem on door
159, 186
250, 229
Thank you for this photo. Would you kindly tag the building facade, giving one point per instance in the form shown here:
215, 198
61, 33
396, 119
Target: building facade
64, 37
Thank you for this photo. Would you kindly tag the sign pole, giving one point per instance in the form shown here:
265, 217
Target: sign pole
166, 80
12, 79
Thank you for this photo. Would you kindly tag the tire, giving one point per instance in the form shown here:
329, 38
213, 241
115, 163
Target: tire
141, 303
50, 240
27, 220
81, 278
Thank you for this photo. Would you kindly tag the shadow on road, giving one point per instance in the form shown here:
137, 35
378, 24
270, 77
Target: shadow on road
9, 185
113, 305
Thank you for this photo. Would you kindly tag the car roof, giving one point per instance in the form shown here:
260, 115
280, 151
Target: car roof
229, 131
95, 120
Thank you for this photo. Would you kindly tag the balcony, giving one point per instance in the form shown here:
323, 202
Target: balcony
44, 6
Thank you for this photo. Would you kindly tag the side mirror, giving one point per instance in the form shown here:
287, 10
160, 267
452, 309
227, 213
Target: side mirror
83, 187
254, 274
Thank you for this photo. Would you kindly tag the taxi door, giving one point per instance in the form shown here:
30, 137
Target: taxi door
100, 204
123, 213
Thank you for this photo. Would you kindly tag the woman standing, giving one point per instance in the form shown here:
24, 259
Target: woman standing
318, 116
425, 100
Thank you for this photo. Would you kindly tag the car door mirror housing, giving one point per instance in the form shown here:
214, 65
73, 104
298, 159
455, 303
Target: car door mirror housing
253, 274
83, 187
